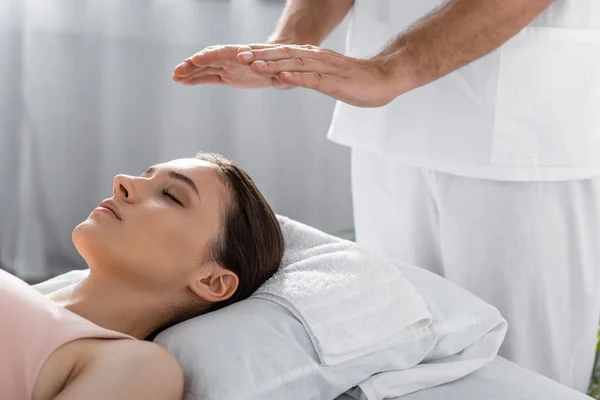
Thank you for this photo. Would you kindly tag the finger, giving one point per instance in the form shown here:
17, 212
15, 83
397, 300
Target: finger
245, 52
202, 72
186, 68
204, 80
215, 54
195, 72
283, 52
297, 64
258, 46
209, 71
324, 83
209, 56
278, 84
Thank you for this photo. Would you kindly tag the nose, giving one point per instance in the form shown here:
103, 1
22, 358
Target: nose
123, 187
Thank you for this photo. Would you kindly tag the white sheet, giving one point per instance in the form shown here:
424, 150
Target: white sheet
499, 380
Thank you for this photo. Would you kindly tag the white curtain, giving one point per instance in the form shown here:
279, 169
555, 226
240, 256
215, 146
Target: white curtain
86, 93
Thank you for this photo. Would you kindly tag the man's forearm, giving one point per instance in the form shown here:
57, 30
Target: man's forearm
309, 21
457, 33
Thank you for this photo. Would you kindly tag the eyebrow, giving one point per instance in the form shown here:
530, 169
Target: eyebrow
176, 175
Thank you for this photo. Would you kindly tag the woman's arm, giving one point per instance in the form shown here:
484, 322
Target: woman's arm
125, 370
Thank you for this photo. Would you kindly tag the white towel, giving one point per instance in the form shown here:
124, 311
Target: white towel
468, 333
352, 303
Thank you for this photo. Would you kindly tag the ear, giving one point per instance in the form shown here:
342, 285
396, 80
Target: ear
214, 283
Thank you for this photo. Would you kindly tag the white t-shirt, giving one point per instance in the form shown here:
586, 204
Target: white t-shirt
529, 111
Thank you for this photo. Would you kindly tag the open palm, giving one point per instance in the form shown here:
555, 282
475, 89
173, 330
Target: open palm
221, 65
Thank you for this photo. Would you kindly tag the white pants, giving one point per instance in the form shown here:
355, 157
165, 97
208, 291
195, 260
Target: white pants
532, 249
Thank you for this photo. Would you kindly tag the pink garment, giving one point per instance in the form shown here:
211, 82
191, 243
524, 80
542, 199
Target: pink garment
32, 327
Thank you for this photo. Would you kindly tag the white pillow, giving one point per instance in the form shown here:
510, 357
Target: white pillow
256, 349
469, 333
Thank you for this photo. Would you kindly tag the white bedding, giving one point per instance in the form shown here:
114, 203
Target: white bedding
499, 380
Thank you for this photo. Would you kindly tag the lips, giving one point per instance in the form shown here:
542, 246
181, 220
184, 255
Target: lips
111, 205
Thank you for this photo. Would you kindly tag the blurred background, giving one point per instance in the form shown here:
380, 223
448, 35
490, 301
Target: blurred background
86, 93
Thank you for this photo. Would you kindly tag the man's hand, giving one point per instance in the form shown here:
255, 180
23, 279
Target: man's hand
220, 65
363, 83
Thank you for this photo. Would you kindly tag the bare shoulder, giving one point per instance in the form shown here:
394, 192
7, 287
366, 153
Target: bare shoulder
138, 351
146, 358
149, 350
125, 369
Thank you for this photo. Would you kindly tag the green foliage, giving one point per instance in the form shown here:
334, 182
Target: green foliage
594, 390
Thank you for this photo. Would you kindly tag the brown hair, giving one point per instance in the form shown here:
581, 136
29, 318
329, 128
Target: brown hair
251, 243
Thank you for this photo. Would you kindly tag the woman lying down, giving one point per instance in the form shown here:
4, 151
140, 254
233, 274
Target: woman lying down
184, 238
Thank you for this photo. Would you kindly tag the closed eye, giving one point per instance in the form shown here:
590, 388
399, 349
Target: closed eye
171, 196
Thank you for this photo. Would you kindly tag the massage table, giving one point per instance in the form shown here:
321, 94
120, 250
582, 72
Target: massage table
498, 380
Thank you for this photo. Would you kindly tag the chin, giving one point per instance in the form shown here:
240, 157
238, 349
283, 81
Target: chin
92, 241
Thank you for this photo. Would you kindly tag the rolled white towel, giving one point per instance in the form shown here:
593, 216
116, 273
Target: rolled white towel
352, 303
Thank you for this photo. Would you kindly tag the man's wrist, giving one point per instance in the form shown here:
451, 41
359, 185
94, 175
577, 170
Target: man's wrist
397, 70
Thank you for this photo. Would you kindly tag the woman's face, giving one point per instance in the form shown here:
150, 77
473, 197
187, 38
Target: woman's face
156, 227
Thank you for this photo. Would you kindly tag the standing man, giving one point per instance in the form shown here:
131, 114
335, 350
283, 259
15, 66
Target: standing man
475, 135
